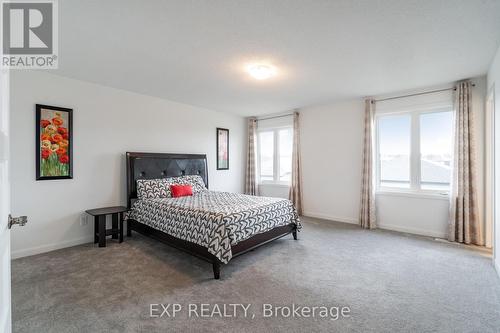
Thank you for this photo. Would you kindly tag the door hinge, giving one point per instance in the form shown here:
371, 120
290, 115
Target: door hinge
21, 220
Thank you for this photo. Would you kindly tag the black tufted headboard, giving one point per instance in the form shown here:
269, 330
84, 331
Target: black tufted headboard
157, 165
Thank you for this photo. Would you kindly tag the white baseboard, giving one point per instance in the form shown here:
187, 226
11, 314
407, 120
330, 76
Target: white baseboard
50, 247
415, 231
349, 220
496, 263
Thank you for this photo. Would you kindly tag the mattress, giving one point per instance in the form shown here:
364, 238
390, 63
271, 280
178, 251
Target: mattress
215, 220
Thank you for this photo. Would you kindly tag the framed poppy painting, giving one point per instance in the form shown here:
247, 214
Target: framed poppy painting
54, 142
222, 149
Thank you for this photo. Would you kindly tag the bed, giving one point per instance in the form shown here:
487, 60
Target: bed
214, 226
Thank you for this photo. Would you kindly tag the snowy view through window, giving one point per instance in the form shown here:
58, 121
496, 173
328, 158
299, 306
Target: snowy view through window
436, 145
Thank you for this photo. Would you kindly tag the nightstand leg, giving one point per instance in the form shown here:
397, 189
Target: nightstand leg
102, 230
121, 227
115, 225
96, 229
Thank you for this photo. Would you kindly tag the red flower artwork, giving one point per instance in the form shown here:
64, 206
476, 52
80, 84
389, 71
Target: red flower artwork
54, 144
64, 159
46, 153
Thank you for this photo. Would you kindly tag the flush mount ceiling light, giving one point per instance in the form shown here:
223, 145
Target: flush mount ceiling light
261, 71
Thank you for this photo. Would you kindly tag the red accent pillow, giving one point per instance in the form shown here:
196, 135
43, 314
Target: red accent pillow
181, 190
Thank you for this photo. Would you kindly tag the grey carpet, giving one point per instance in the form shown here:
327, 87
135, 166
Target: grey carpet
391, 282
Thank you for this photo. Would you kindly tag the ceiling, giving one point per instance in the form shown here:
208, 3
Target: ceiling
196, 51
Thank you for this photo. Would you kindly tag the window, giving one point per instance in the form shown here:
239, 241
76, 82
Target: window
436, 148
285, 154
266, 156
394, 138
275, 155
414, 150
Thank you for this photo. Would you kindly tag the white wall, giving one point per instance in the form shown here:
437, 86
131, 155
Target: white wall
494, 83
331, 156
331, 147
421, 215
107, 122
274, 190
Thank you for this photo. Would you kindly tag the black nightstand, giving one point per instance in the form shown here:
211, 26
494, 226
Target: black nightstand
100, 231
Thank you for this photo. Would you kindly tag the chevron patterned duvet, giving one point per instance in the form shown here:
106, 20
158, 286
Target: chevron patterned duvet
215, 220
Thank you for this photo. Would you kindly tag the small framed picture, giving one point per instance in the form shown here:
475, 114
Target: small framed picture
54, 142
222, 149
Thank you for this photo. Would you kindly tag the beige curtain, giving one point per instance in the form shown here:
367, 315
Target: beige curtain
295, 194
464, 224
250, 177
367, 210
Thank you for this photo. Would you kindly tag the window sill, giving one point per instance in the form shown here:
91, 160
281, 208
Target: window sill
274, 184
412, 194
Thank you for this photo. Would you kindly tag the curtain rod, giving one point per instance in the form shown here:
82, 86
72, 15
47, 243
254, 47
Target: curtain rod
417, 94
280, 116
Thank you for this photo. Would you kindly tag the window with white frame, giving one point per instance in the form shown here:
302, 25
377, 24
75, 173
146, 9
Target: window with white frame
274, 147
414, 150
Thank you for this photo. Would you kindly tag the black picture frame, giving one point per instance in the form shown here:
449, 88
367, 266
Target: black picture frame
67, 157
222, 162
